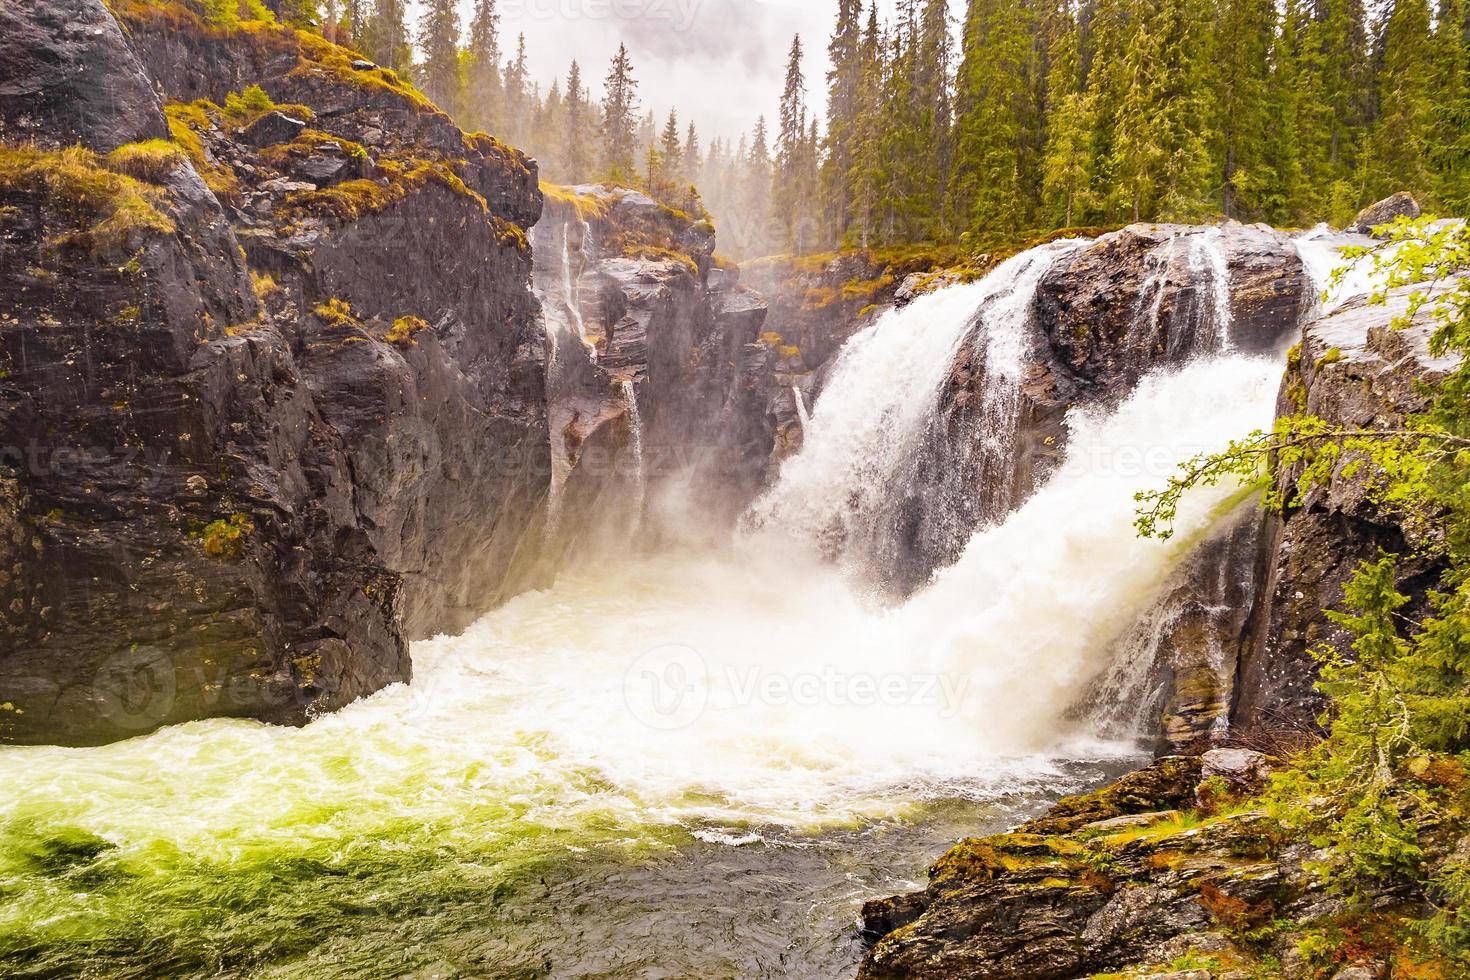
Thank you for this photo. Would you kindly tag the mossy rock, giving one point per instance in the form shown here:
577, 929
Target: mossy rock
1168, 784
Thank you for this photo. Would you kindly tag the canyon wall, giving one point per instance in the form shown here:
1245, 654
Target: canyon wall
273, 389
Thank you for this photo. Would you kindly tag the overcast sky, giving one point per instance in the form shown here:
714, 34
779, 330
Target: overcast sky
721, 61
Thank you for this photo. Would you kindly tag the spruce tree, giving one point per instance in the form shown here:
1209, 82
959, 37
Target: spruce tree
692, 157
1161, 161
788, 192
866, 176
1282, 197
1451, 132
439, 42
1335, 83
1399, 146
844, 100
619, 118
482, 75
386, 39
992, 185
1067, 160
517, 104
579, 133
1246, 30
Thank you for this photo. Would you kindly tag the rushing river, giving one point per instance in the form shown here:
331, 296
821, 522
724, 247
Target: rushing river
691, 764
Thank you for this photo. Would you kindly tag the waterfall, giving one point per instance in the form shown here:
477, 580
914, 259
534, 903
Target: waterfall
802, 415
1207, 259
860, 466
635, 436
571, 287
1321, 253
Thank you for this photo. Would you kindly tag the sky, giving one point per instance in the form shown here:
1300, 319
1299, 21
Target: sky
720, 61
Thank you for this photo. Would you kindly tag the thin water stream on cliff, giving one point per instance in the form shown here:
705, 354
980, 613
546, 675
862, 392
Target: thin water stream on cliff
688, 764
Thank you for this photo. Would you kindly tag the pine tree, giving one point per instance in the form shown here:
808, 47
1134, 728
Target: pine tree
865, 176
1334, 105
788, 193
692, 157
932, 110
672, 147
1399, 146
844, 100
439, 42
355, 19
386, 39
1161, 159
1246, 30
619, 117
1067, 160
516, 101
482, 70
1451, 131
579, 132
993, 178
756, 198
1281, 197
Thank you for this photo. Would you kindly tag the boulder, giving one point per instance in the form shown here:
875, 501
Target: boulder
1400, 205
272, 128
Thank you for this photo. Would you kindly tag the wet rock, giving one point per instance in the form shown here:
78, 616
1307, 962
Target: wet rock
1161, 294
68, 76
1113, 825
325, 169
272, 128
1106, 897
259, 504
1165, 785
1354, 371
1242, 770
1400, 205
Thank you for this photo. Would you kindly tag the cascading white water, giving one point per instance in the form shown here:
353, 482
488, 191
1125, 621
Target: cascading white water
867, 427
1321, 254
803, 417
571, 288
635, 438
744, 696
1207, 259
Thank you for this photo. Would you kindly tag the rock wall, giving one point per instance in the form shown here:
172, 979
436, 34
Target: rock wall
651, 334
1353, 370
249, 451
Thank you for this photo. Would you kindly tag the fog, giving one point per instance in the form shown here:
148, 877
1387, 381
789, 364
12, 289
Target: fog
720, 62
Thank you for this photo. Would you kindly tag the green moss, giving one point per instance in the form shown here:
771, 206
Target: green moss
589, 207
186, 120
403, 329
147, 160
226, 538
352, 199
107, 209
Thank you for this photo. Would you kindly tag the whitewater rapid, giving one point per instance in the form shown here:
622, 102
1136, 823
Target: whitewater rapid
745, 696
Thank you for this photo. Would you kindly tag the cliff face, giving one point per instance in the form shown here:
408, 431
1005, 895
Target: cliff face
661, 373
1353, 370
229, 403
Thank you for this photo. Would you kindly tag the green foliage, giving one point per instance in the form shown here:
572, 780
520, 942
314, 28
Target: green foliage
1400, 700
225, 538
251, 102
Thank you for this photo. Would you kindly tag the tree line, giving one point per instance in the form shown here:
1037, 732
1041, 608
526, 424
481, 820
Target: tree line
1034, 115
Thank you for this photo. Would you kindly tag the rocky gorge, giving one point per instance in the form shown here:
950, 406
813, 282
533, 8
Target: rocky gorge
296, 373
